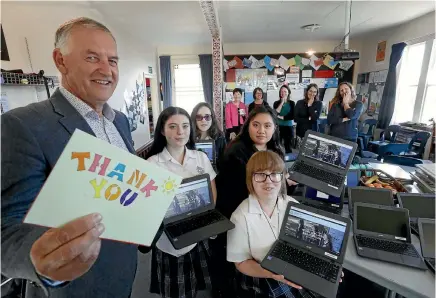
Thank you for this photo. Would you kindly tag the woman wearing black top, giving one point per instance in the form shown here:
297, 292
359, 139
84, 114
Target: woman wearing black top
258, 99
307, 111
207, 128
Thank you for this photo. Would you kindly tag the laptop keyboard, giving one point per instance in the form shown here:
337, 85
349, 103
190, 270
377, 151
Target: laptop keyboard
324, 208
317, 173
307, 262
389, 246
194, 223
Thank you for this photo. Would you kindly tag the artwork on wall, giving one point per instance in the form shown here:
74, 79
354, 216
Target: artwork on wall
369, 90
135, 103
381, 51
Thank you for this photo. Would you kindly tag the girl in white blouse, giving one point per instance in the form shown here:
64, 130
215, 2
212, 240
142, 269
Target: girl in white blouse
179, 273
257, 226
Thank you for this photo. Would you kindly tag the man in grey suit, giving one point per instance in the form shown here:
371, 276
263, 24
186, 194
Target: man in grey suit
69, 261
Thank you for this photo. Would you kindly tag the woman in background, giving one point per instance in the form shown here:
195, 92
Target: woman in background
236, 113
207, 128
285, 108
177, 273
344, 113
258, 99
307, 111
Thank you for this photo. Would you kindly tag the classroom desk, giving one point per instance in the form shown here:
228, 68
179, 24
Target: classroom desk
405, 281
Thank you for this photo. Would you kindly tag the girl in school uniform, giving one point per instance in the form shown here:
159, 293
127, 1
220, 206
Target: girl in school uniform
257, 226
259, 133
207, 128
184, 272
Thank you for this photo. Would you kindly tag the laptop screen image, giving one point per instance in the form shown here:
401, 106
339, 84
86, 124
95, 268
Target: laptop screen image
313, 194
371, 196
326, 233
389, 222
327, 151
428, 230
190, 196
418, 206
206, 148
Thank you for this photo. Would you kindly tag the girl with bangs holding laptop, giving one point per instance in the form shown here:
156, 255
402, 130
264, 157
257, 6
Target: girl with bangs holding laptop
184, 272
259, 133
207, 128
257, 226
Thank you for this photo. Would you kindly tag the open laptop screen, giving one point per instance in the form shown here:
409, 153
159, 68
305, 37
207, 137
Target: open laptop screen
326, 233
189, 196
206, 148
382, 221
428, 230
327, 151
371, 196
419, 206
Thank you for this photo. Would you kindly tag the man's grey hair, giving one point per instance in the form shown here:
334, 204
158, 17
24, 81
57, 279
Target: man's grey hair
64, 31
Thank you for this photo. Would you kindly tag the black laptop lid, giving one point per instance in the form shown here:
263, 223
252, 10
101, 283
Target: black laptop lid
363, 194
427, 237
194, 196
316, 195
419, 205
322, 232
381, 221
333, 152
207, 147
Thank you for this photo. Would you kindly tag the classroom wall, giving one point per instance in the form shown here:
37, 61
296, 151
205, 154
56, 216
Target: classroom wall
38, 23
420, 27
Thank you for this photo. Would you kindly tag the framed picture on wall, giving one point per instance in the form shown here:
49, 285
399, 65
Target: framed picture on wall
381, 51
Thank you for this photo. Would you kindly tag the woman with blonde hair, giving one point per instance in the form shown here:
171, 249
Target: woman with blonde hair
344, 113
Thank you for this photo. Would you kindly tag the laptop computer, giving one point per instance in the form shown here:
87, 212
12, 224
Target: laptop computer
310, 249
419, 206
191, 216
427, 237
319, 200
363, 194
208, 147
383, 233
323, 162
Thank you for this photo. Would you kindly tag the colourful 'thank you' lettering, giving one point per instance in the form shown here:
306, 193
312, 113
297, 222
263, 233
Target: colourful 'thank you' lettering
112, 192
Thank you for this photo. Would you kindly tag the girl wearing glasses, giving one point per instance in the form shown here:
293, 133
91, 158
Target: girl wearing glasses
179, 272
257, 226
207, 128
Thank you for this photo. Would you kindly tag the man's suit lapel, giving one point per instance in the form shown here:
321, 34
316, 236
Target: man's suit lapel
123, 131
71, 119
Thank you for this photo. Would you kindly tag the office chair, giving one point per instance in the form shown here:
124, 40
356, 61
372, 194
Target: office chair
386, 136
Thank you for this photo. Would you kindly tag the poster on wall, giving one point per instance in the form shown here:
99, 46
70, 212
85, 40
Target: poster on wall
248, 79
134, 103
381, 51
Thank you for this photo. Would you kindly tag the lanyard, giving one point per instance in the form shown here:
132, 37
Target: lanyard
278, 219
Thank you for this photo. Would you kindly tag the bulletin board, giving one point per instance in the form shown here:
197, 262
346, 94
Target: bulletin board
297, 70
369, 90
